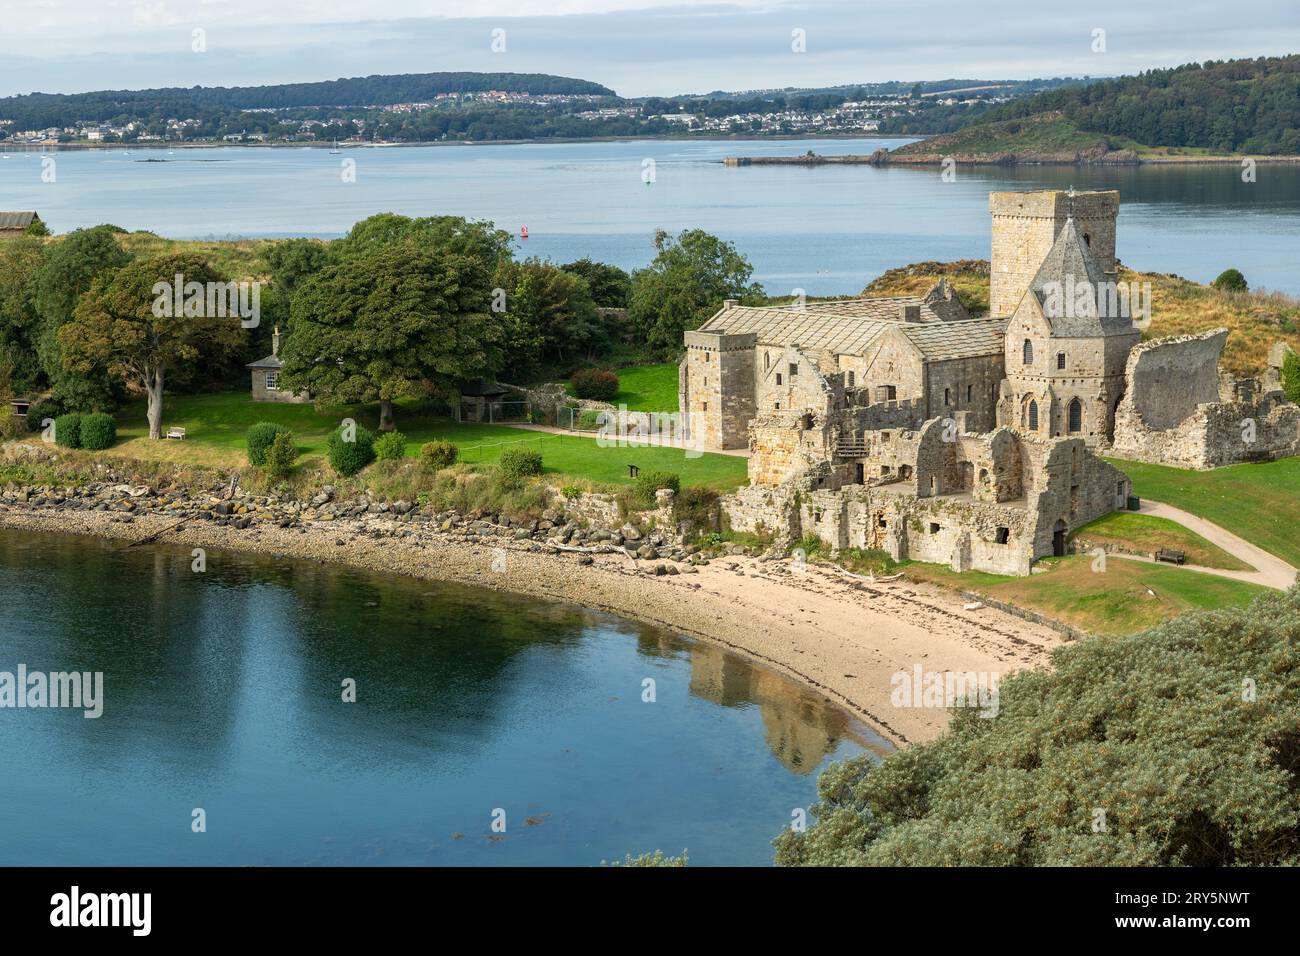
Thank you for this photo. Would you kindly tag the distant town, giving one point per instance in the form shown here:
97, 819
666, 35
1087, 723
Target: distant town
504, 114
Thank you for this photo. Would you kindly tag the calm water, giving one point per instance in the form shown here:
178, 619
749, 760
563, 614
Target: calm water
222, 691
826, 230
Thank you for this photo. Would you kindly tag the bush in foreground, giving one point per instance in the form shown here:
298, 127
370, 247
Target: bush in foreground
98, 431
517, 464
349, 457
439, 454
281, 456
259, 439
595, 383
1177, 746
67, 430
390, 446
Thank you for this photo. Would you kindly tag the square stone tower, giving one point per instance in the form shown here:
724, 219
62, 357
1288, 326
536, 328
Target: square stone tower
716, 385
1025, 226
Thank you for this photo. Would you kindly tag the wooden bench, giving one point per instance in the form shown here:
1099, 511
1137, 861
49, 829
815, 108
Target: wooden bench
176, 432
1171, 556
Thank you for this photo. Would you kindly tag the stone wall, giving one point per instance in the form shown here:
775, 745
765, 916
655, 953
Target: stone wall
969, 385
1172, 412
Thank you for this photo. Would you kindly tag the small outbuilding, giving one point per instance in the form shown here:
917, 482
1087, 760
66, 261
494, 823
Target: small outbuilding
16, 223
266, 377
481, 401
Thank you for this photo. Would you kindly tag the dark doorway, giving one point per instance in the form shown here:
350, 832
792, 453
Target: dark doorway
1058, 540
858, 475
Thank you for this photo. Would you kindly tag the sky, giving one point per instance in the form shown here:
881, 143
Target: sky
636, 47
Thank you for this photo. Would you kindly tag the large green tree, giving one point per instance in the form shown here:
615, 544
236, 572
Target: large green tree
1177, 746
687, 282
20, 258
611, 287
71, 266
126, 327
396, 318
452, 234
549, 316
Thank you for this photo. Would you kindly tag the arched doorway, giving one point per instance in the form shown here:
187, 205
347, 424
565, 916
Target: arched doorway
1058, 539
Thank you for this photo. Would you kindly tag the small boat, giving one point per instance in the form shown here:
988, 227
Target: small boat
335, 151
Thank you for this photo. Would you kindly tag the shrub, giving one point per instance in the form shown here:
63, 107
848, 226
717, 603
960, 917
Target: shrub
260, 437
349, 457
67, 430
11, 426
439, 454
39, 411
648, 482
571, 492
519, 463
1231, 280
698, 507
98, 431
1291, 377
589, 420
281, 456
390, 445
595, 383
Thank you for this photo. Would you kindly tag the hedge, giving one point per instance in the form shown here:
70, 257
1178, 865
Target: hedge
260, 437
67, 430
98, 431
349, 457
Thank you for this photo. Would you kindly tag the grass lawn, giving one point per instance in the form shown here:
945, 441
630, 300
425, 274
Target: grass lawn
1259, 502
1146, 534
646, 388
1129, 596
216, 424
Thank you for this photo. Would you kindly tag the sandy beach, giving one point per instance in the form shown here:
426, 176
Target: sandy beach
845, 636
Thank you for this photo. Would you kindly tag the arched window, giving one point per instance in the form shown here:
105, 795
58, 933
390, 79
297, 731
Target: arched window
1029, 352
1033, 415
1076, 415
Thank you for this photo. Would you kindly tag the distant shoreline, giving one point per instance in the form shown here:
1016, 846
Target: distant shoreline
884, 158
33, 147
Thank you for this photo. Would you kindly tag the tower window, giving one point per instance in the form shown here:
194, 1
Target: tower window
850, 378
947, 396
778, 378
970, 390
1076, 415
1060, 360
1028, 352
1033, 415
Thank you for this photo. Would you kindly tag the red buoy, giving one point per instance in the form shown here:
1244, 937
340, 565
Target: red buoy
523, 232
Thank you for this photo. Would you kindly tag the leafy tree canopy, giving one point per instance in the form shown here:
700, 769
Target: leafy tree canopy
686, 283
393, 318
611, 287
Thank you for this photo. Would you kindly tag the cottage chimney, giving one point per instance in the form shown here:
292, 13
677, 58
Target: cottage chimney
730, 303
275, 342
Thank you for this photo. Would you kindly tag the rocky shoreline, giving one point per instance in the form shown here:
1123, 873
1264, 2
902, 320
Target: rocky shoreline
841, 635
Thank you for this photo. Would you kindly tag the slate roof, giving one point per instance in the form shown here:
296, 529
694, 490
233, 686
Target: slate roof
849, 327
942, 341
271, 361
1069, 264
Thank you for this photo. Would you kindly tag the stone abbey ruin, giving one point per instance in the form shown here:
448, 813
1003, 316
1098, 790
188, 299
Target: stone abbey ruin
904, 424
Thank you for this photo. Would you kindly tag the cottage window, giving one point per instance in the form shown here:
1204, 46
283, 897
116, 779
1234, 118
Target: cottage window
1060, 360
272, 381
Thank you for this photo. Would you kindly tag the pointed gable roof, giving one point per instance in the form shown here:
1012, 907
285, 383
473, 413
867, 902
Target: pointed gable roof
1068, 268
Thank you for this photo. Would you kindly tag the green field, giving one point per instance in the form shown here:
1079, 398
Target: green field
216, 424
1128, 597
1259, 502
1146, 534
